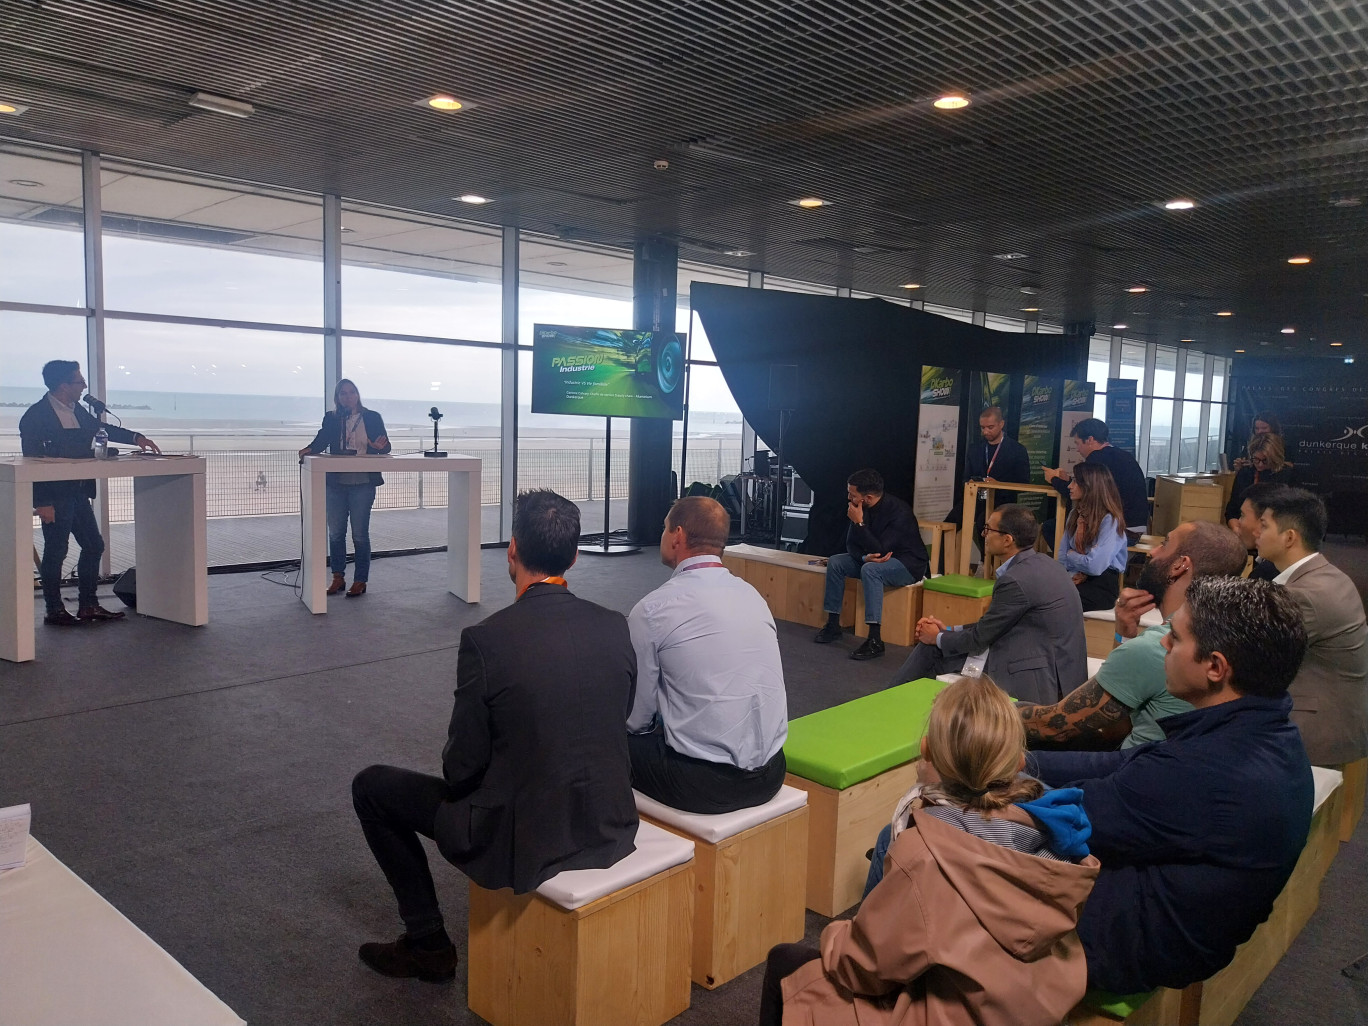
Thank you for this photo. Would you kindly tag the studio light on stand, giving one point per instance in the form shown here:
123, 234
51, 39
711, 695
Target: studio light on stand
436, 415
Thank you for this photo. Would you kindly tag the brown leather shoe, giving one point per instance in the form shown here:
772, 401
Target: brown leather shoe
357, 588
338, 583
399, 959
97, 612
61, 618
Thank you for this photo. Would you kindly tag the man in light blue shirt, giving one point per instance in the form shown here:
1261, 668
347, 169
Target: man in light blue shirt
707, 728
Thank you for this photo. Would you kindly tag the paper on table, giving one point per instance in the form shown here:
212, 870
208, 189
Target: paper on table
14, 831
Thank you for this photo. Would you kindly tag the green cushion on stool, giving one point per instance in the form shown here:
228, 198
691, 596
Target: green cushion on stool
1119, 1005
959, 584
843, 745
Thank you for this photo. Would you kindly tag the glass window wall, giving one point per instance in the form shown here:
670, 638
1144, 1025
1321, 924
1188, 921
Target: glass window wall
42, 250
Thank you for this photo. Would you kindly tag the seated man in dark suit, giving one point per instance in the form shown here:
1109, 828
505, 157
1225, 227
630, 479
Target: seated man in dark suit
1197, 835
535, 774
1030, 639
884, 549
998, 457
1092, 439
1247, 527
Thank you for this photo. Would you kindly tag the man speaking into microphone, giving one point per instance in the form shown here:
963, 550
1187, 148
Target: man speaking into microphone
57, 426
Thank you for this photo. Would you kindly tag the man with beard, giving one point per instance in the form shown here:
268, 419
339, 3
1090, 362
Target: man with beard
1127, 697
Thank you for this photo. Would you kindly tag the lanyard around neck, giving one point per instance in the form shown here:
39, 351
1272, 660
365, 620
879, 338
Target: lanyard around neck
545, 580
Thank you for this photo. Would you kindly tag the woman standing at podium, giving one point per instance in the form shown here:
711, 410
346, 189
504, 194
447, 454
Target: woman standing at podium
1094, 548
349, 429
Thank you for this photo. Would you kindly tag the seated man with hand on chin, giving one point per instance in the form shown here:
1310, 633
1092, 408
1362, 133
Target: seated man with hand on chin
707, 729
884, 548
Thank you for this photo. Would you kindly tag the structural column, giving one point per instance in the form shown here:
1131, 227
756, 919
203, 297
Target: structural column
655, 288
332, 294
508, 408
95, 320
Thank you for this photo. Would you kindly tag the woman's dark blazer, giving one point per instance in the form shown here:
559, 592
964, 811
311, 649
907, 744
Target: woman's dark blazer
329, 437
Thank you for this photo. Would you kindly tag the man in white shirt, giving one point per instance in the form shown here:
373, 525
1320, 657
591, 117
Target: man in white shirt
707, 727
1330, 691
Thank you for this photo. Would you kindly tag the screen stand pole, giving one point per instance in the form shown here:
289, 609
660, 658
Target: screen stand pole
608, 548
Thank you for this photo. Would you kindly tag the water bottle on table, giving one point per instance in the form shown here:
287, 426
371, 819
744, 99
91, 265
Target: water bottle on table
101, 444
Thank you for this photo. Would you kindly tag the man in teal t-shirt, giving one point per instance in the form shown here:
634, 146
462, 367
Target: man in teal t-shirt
1127, 697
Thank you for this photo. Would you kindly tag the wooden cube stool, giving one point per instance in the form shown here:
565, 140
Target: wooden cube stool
750, 876
854, 761
956, 599
902, 608
1355, 786
1099, 627
589, 946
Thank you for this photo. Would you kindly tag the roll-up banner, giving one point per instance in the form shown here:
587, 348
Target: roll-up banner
1079, 400
1121, 409
990, 389
1039, 427
937, 441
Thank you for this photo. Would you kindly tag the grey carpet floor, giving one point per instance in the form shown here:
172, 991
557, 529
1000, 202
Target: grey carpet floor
198, 778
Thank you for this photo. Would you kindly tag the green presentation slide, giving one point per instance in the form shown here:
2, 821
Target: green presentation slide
607, 372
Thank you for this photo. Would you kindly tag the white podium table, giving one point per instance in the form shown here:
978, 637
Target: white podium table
68, 956
463, 517
169, 531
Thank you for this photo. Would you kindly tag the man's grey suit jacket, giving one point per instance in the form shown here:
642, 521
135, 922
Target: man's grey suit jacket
1033, 630
1330, 692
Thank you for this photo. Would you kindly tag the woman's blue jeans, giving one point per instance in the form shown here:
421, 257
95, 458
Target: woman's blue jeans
349, 502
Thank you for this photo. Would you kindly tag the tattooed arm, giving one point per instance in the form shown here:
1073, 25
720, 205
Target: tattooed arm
1086, 718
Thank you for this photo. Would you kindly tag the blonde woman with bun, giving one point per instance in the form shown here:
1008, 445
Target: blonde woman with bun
971, 914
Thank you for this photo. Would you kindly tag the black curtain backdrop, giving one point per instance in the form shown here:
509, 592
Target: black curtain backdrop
858, 380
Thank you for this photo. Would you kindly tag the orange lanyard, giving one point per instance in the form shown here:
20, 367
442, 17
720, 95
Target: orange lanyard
544, 580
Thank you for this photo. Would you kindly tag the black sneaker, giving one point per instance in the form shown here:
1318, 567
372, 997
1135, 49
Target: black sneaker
871, 649
403, 961
61, 618
829, 633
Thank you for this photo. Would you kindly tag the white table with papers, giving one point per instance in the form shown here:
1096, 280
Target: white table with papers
170, 535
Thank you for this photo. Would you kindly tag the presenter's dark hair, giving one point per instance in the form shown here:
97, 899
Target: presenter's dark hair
866, 482
337, 391
1268, 417
1298, 510
1255, 624
1257, 495
546, 527
1020, 523
1091, 428
704, 520
58, 372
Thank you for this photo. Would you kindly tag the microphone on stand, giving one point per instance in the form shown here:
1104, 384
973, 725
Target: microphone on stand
98, 407
436, 415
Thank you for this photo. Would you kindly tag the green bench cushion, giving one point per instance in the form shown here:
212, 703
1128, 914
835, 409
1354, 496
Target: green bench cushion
1119, 1005
959, 584
841, 746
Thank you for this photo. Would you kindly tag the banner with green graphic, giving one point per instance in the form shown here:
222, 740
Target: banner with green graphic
1039, 428
989, 390
938, 420
1079, 397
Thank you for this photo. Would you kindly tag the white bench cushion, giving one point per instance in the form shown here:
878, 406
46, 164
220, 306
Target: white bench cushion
656, 851
1326, 780
1094, 664
714, 828
1151, 619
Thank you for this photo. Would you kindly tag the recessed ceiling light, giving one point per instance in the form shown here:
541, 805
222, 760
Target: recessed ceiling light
12, 107
1029, 290
1348, 359
951, 101
1030, 309
25, 183
1299, 260
1115, 326
1337, 343
1179, 204
912, 285
1239, 350
555, 263
1289, 331
809, 202
1225, 313
1347, 201
222, 105
1187, 340
1138, 288
1009, 256
346, 229
738, 252
471, 197
443, 102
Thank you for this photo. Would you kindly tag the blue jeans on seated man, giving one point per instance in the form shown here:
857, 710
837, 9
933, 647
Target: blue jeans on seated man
876, 860
874, 578
72, 517
352, 502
